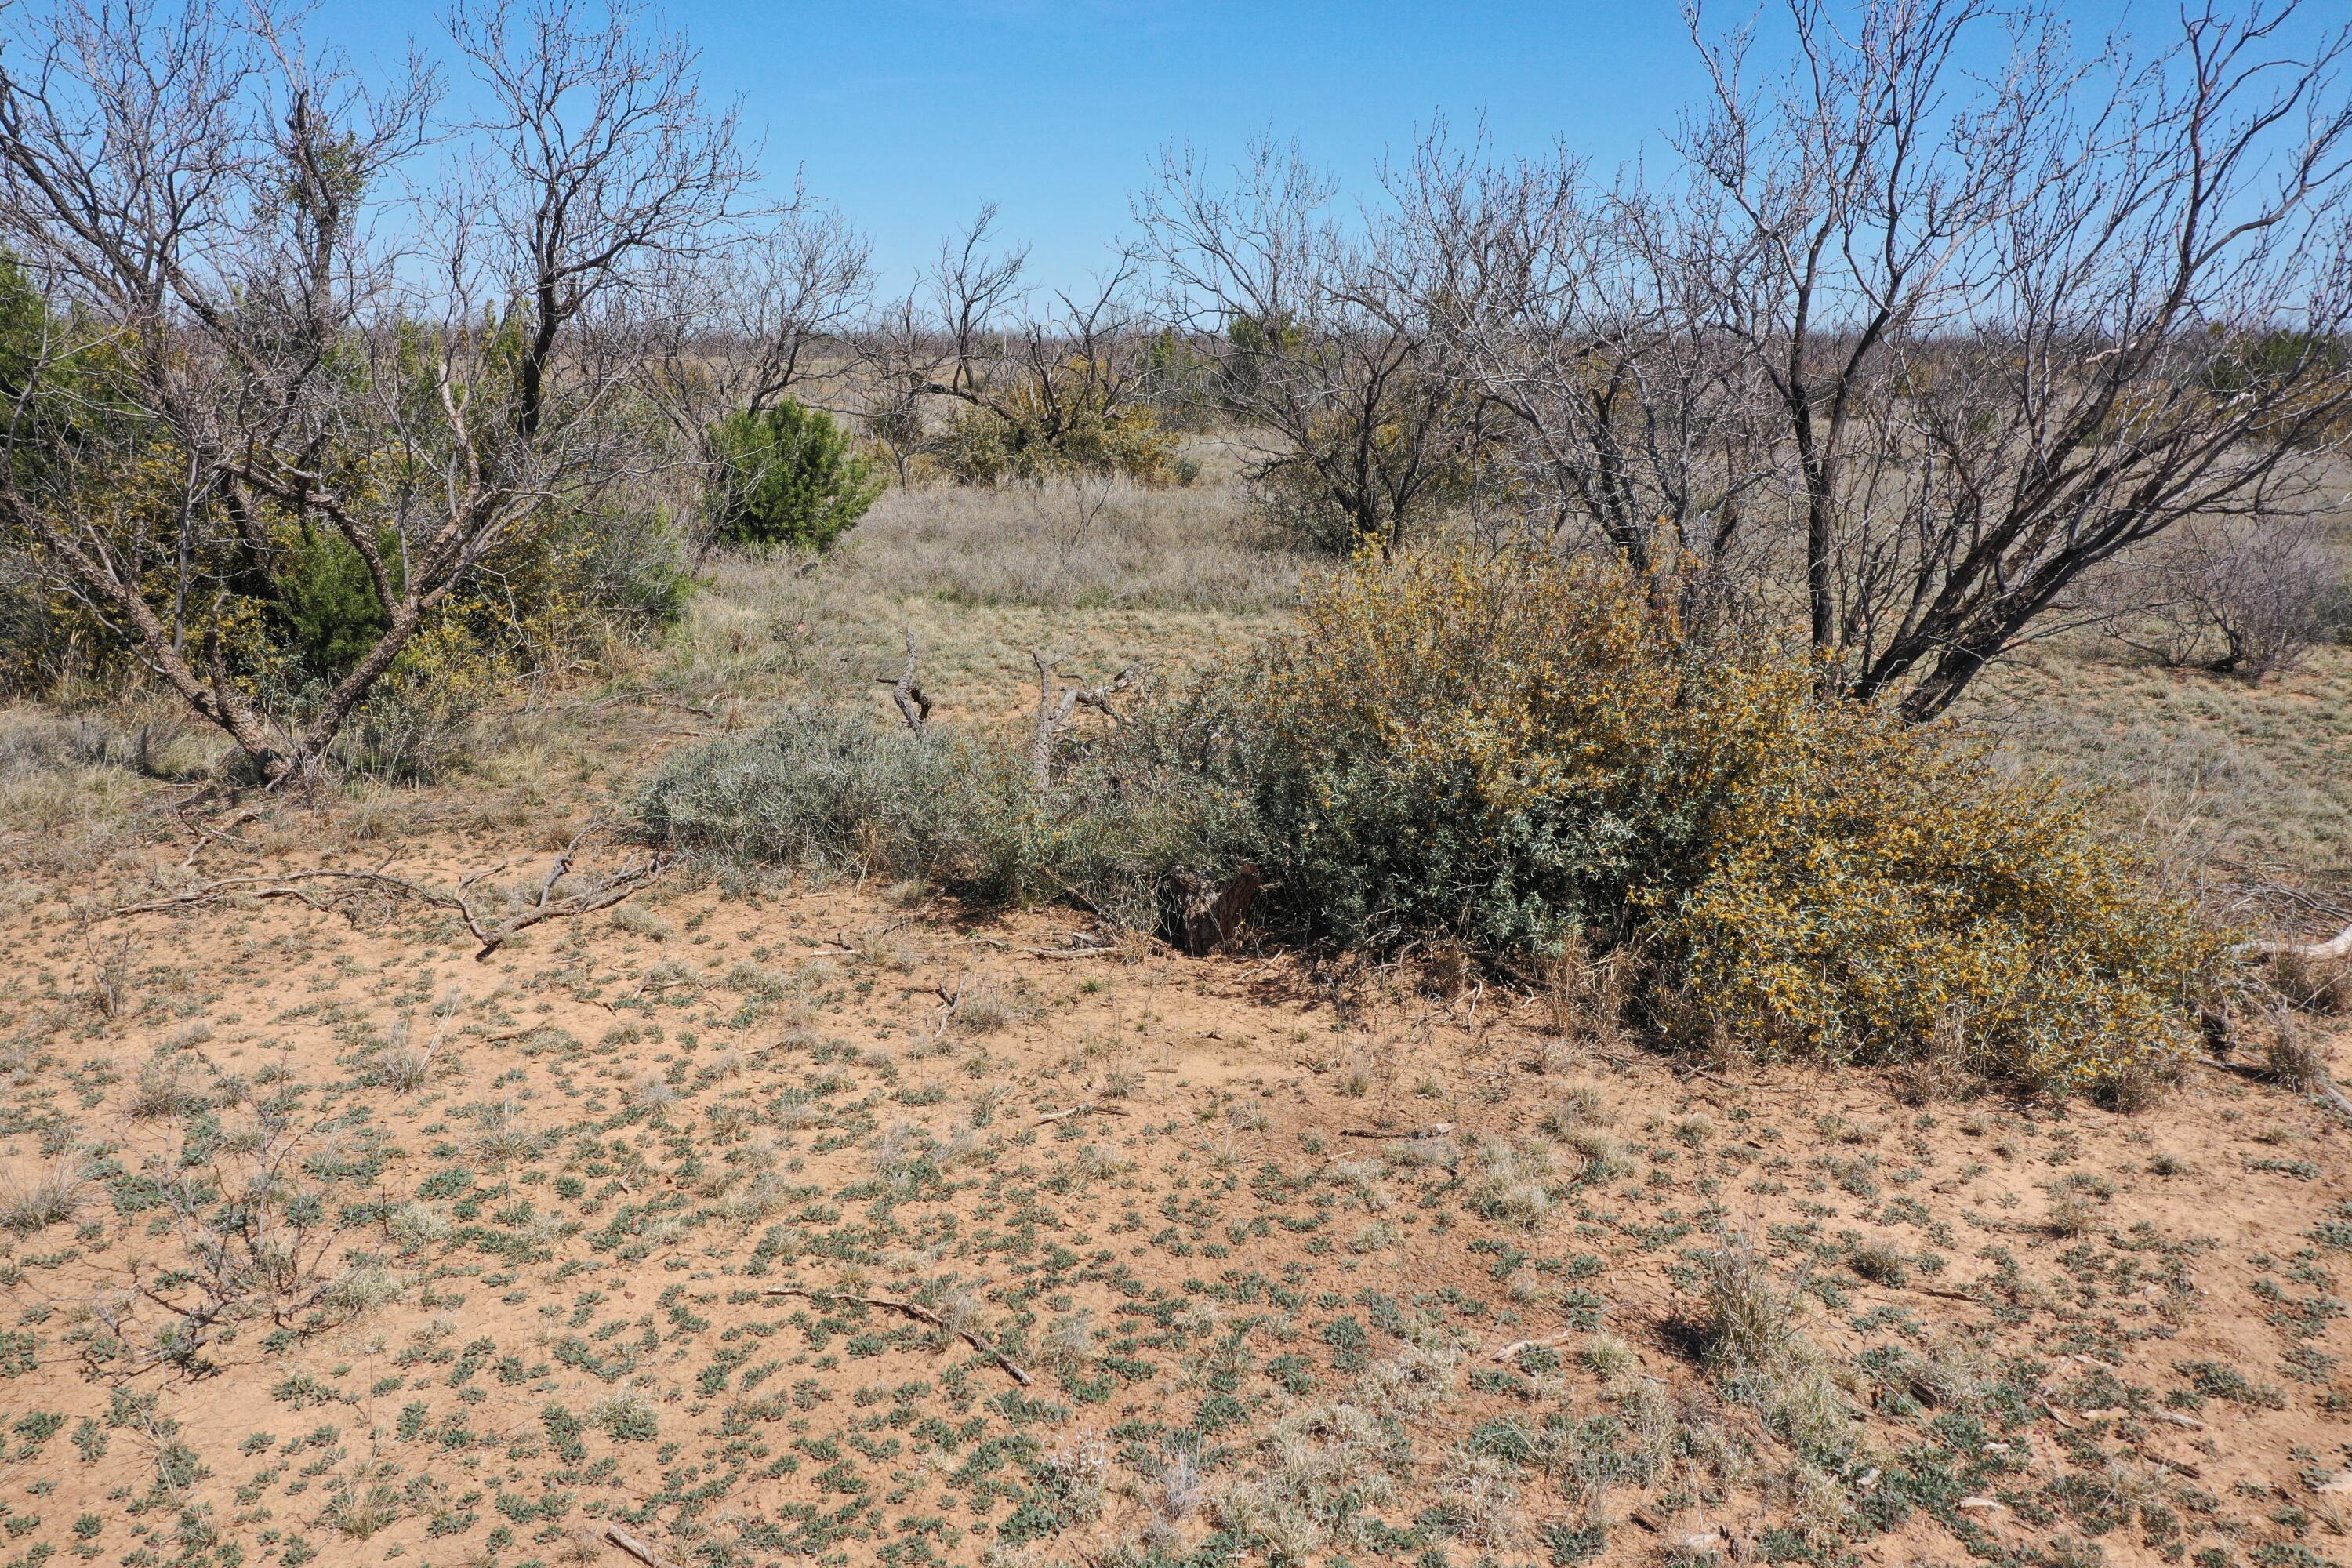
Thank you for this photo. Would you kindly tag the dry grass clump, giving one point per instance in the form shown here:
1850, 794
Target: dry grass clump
1751, 1324
1514, 1181
402, 1065
2294, 1054
34, 1200
1759, 1354
1322, 1467
2315, 984
166, 1089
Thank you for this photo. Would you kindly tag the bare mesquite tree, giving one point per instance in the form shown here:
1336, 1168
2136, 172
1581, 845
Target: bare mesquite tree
770, 315
1579, 321
1329, 355
278, 301
1045, 371
2013, 328
1936, 342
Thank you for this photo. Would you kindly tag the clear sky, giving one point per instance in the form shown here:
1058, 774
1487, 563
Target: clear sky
909, 113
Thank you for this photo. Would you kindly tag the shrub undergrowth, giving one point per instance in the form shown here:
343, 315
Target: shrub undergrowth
1525, 756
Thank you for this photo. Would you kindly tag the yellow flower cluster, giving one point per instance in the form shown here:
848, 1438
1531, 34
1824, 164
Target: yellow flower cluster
1814, 876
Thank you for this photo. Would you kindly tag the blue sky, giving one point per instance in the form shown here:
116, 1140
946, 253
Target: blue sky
921, 108
909, 113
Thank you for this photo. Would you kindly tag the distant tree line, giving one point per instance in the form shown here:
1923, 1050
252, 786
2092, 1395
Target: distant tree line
313, 378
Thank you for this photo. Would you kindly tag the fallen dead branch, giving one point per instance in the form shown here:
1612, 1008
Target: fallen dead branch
1434, 1129
1097, 1107
2339, 946
205, 837
635, 1548
919, 1313
492, 931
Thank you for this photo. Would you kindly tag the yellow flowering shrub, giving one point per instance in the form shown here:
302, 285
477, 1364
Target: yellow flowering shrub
1520, 752
1871, 895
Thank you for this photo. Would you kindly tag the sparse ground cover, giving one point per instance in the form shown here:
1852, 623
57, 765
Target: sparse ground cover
324, 1242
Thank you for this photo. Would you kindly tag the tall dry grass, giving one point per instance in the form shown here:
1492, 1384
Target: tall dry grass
1071, 544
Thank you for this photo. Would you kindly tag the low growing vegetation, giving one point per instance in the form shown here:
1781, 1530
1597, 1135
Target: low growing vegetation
1521, 756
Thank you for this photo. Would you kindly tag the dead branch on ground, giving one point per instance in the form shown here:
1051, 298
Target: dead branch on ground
2334, 948
1095, 1106
493, 930
920, 1314
635, 1548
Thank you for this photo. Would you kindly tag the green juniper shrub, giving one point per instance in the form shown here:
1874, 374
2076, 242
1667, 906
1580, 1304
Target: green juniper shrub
788, 478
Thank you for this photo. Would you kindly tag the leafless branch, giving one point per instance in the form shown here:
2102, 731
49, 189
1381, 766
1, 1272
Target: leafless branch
920, 1314
491, 927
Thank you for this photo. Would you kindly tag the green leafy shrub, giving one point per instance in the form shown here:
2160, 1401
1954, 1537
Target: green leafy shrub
788, 478
1524, 756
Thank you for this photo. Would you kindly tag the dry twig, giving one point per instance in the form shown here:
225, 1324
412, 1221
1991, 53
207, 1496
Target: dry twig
1096, 1106
492, 931
919, 1313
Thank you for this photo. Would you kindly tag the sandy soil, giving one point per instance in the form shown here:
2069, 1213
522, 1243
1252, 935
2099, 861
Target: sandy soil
370, 1252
